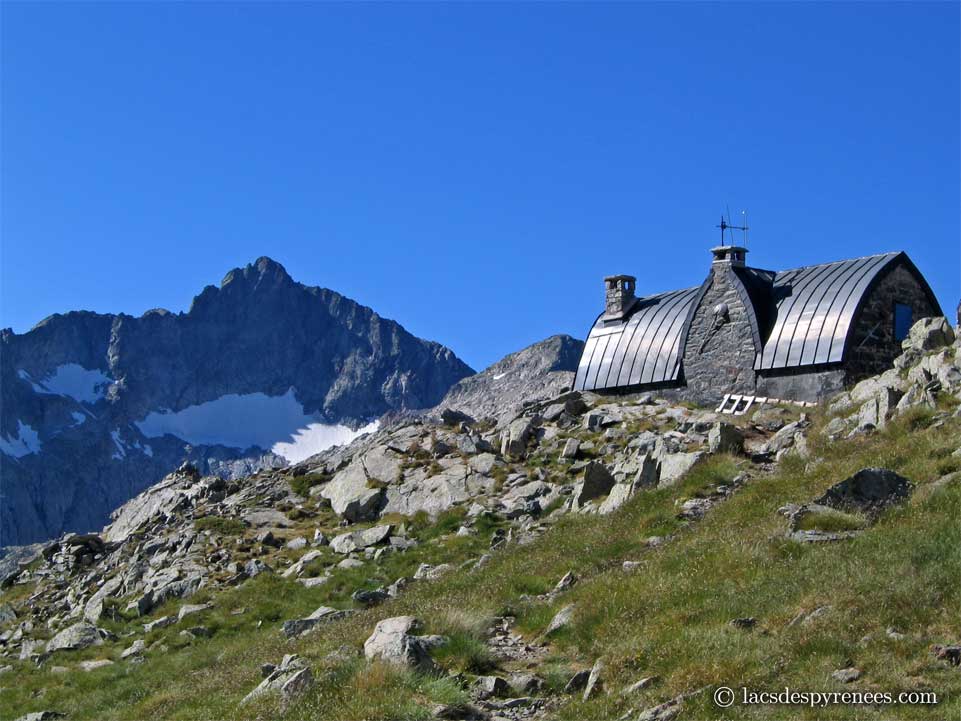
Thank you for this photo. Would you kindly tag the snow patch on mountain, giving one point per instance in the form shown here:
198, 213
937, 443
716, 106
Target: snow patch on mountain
71, 380
26, 441
319, 437
277, 423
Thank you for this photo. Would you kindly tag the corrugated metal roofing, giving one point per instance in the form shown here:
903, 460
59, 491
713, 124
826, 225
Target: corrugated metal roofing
646, 348
815, 307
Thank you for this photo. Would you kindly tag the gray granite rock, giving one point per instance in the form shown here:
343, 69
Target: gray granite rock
75, 637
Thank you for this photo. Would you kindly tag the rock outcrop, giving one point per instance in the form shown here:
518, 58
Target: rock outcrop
540, 371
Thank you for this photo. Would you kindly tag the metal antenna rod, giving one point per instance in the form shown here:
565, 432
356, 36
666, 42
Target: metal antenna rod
724, 225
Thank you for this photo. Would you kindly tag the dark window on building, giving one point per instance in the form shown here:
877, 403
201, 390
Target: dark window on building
902, 321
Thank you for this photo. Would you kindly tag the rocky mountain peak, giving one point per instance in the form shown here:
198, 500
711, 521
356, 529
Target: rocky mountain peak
263, 273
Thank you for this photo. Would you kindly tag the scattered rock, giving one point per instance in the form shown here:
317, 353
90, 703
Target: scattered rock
561, 619
578, 681
514, 439
195, 632
644, 683
135, 649
663, 712
393, 642
594, 684
370, 598
868, 490
428, 572
571, 445
725, 438
324, 614
188, 609
847, 675
458, 712
161, 622
451, 417
254, 567
93, 665
491, 686
565, 584
292, 678
951, 654
808, 617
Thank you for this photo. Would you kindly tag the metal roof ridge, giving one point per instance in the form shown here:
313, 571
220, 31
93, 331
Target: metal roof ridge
842, 260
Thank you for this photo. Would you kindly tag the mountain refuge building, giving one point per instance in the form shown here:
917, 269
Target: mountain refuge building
797, 334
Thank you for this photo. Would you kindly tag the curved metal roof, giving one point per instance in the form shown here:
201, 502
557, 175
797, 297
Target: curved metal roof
803, 318
646, 348
814, 309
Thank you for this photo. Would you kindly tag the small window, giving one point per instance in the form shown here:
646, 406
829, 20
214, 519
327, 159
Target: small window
902, 321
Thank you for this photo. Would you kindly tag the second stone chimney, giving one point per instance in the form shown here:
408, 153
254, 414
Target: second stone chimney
619, 295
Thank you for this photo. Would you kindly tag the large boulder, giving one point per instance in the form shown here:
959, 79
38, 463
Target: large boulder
675, 465
75, 637
393, 642
291, 679
322, 615
929, 334
598, 482
351, 496
870, 489
93, 609
359, 540
514, 439
455, 484
725, 438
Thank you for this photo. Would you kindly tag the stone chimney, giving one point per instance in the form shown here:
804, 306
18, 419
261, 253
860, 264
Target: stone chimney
732, 255
619, 295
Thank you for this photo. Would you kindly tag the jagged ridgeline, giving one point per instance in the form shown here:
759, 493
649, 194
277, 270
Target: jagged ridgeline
260, 371
583, 557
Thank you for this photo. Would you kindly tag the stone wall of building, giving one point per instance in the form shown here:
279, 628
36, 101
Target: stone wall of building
720, 350
872, 347
801, 384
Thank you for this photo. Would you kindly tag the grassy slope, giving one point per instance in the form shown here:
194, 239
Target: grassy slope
669, 617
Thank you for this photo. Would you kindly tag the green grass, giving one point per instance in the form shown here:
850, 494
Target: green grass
302, 484
669, 618
831, 521
220, 525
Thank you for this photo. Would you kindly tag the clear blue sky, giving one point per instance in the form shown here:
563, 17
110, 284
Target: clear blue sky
470, 170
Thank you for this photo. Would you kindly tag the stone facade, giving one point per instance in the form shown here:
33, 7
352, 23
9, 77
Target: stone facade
720, 348
872, 345
801, 384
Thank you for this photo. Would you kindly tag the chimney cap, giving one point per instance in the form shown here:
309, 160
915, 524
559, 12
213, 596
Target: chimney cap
733, 254
611, 278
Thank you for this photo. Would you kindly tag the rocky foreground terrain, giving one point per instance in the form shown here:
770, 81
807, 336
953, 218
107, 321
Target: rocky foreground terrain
577, 557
